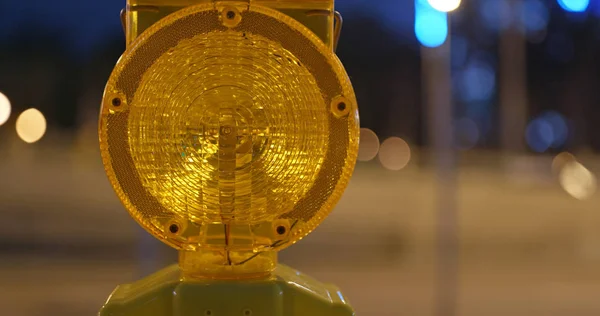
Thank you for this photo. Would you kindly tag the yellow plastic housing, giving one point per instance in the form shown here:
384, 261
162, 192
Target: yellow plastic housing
316, 15
229, 131
287, 292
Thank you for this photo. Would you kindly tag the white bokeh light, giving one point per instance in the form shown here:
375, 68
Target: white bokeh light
31, 125
5, 108
444, 5
369, 145
561, 160
394, 154
577, 181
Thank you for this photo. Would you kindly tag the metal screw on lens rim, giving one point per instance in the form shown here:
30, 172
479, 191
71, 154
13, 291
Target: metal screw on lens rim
231, 17
116, 102
340, 106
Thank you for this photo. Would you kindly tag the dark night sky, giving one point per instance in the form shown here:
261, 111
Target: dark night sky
84, 22
88, 40
81, 21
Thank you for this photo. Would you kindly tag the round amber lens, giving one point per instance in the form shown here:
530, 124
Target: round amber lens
236, 132
228, 125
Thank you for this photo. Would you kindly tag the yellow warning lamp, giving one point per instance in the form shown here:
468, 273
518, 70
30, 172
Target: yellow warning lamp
229, 130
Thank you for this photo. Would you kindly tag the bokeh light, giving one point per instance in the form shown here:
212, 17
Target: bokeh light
431, 25
369, 145
560, 129
467, 133
574, 5
31, 125
534, 15
578, 181
5, 108
562, 160
549, 130
394, 153
477, 81
444, 5
539, 135
496, 15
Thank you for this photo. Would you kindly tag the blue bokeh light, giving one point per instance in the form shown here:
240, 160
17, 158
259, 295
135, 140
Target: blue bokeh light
477, 82
560, 128
496, 15
574, 5
539, 135
431, 25
534, 15
549, 130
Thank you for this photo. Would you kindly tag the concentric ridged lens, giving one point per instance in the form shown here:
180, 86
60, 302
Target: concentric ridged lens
228, 125
234, 131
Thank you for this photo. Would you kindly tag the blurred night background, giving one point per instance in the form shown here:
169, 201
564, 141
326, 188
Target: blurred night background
475, 193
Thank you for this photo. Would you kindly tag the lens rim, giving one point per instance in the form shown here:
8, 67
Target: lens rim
332, 80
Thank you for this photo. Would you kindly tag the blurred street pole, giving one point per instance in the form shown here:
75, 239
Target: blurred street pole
438, 97
513, 81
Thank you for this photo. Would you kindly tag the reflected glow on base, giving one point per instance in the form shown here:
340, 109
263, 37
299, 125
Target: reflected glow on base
578, 181
369, 145
5, 108
394, 154
31, 125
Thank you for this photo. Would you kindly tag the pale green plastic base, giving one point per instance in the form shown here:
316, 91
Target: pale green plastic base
286, 293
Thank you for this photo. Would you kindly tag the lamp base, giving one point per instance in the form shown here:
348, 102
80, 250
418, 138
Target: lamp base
286, 292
